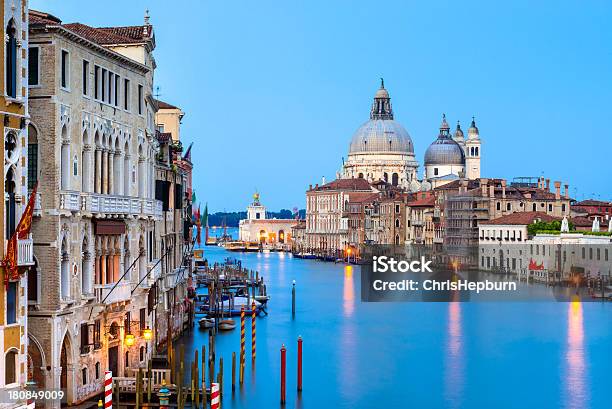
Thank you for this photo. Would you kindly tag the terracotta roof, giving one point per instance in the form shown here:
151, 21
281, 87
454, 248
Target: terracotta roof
165, 105
39, 17
521, 218
345, 184
428, 201
592, 202
582, 221
362, 197
98, 35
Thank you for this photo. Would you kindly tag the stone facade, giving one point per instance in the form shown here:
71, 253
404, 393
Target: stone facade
95, 246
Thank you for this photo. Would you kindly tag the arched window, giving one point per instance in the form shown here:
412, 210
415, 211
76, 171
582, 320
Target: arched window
32, 156
395, 179
397, 223
65, 160
10, 202
86, 278
360, 175
33, 282
84, 375
534, 208
11, 60
386, 177
10, 367
65, 271
142, 353
127, 360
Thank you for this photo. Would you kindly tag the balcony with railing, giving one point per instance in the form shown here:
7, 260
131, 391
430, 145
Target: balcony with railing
25, 252
122, 292
110, 204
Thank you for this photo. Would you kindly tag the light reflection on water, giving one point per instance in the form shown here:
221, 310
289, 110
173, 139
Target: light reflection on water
454, 356
348, 295
576, 373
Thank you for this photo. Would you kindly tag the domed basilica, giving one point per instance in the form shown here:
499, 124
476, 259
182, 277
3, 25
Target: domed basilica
382, 149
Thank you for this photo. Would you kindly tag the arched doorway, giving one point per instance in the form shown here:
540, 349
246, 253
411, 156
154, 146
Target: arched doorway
262, 236
66, 362
35, 363
281, 236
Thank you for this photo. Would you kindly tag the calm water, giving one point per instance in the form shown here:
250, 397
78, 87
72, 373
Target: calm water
413, 355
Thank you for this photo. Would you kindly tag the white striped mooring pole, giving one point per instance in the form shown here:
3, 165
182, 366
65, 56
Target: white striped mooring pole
108, 390
214, 396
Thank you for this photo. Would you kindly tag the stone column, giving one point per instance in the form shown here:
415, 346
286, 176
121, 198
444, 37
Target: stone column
111, 172
86, 169
142, 178
105, 171
126, 175
118, 183
98, 171
103, 267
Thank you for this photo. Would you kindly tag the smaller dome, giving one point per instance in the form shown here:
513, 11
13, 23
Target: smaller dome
444, 150
473, 130
458, 131
381, 93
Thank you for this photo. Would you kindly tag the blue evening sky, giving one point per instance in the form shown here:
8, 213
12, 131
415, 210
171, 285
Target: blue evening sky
273, 90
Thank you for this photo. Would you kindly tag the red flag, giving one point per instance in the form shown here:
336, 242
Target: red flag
21, 232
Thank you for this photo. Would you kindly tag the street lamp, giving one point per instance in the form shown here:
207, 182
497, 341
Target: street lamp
147, 334
129, 339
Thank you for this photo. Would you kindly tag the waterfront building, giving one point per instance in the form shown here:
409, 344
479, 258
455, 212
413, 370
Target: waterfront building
381, 149
485, 199
326, 221
591, 209
420, 226
172, 178
92, 151
15, 112
505, 244
276, 233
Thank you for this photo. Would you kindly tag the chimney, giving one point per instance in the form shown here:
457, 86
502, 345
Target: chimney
557, 190
491, 190
566, 194
310, 186
322, 180
316, 186
503, 185
548, 185
463, 186
483, 185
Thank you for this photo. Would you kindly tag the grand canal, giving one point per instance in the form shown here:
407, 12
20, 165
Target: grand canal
414, 355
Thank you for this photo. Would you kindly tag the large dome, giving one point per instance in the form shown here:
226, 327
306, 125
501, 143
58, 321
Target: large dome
381, 135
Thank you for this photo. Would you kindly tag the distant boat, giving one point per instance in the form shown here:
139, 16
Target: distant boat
252, 246
308, 256
235, 246
227, 325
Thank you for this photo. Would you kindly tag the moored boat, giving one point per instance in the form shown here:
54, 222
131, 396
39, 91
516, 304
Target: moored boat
206, 323
227, 325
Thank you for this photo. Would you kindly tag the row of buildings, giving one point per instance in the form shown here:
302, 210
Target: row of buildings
106, 265
377, 198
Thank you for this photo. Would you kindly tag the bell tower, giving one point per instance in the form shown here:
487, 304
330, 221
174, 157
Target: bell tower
472, 152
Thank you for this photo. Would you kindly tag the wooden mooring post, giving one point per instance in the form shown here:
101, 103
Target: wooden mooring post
233, 371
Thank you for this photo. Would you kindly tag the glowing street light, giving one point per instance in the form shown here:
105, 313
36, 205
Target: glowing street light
147, 334
129, 339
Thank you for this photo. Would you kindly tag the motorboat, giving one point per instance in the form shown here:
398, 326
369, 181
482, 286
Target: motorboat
206, 323
227, 325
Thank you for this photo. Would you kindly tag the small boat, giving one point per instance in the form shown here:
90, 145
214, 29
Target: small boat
262, 299
309, 256
252, 246
227, 325
235, 246
206, 323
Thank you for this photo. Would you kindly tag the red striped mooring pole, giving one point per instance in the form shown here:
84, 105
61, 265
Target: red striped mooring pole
108, 389
283, 352
214, 396
253, 315
242, 342
299, 363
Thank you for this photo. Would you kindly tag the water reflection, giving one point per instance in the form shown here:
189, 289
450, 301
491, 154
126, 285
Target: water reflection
348, 295
575, 376
454, 370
